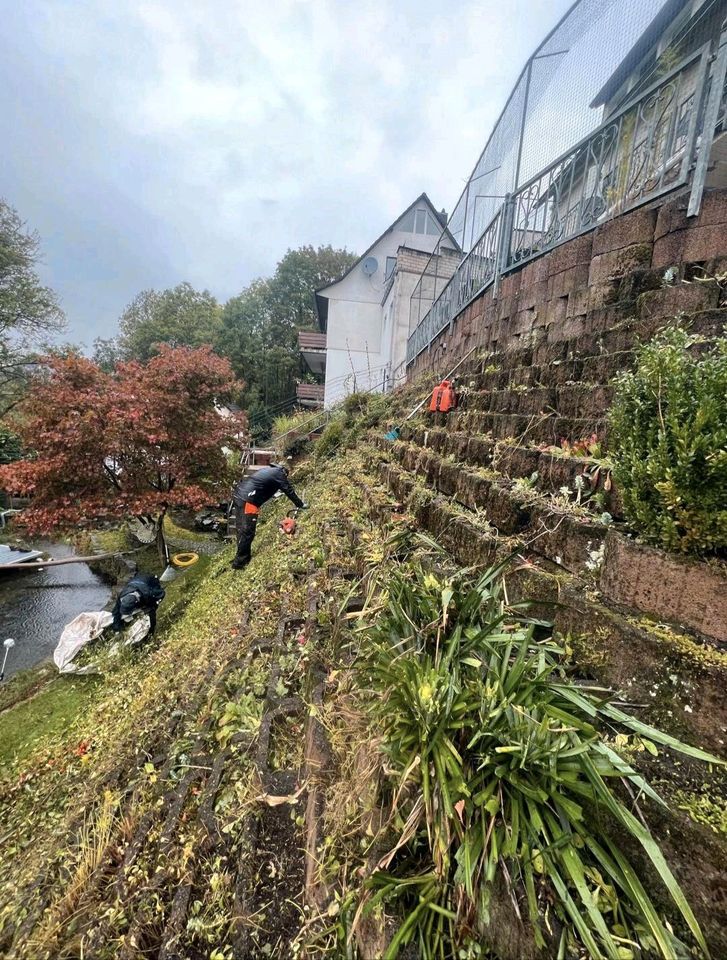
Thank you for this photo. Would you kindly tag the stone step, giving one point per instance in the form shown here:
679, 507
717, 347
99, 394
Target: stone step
570, 541
536, 428
567, 400
555, 470
651, 663
595, 369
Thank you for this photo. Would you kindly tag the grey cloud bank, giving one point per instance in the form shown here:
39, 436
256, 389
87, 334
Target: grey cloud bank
156, 142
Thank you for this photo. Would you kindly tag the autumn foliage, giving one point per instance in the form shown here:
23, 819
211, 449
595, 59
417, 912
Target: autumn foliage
112, 445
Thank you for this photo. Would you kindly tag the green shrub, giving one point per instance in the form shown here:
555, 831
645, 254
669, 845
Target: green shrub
291, 431
669, 439
502, 770
331, 437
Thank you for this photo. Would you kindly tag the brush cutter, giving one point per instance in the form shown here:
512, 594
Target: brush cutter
395, 432
288, 524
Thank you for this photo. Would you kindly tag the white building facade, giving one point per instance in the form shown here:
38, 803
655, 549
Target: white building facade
365, 314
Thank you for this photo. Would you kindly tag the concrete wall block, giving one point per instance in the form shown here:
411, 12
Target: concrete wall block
616, 263
536, 271
705, 243
510, 285
637, 226
522, 322
673, 217
567, 329
578, 302
603, 294
505, 306
570, 254
564, 283
669, 250
555, 311
687, 592
687, 298
532, 294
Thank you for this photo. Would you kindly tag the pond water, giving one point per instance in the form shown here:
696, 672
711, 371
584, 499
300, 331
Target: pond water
35, 606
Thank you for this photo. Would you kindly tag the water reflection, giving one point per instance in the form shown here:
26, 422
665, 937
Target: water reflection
34, 607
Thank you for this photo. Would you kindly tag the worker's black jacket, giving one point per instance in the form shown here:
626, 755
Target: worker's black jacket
142, 592
259, 487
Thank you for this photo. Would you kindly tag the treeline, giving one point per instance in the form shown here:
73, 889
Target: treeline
256, 330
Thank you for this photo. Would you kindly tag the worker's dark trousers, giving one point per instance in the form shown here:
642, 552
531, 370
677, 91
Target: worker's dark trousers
246, 527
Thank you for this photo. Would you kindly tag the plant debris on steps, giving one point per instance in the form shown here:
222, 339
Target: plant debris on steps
236, 790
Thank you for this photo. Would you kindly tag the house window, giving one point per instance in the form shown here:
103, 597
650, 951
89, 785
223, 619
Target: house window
390, 267
420, 221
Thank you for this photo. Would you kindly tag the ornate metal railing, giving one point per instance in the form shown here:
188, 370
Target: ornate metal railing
643, 151
476, 271
646, 149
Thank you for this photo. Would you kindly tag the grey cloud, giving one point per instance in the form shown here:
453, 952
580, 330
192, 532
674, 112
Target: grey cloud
156, 141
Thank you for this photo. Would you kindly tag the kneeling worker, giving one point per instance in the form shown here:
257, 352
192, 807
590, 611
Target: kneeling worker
250, 494
142, 594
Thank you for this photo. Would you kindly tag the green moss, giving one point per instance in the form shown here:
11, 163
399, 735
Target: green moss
703, 808
589, 649
683, 646
45, 715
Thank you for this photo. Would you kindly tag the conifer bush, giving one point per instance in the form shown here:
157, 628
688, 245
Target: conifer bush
669, 440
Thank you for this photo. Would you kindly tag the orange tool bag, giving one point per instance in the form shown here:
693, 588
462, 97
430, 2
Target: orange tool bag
443, 397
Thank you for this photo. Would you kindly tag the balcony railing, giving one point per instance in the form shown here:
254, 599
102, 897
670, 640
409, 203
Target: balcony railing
310, 394
311, 340
647, 149
474, 273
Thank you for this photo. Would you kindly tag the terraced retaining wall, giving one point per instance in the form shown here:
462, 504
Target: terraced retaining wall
592, 282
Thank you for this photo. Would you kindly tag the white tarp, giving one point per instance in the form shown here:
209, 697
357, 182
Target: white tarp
87, 627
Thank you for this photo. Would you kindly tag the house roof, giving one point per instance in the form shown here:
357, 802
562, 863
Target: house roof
322, 299
648, 39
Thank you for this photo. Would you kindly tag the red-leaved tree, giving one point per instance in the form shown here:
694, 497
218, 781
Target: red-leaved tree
129, 443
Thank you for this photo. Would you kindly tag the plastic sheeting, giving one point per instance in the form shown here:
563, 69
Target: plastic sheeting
87, 627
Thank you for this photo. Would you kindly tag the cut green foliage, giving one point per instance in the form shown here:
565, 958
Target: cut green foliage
669, 421
502, 778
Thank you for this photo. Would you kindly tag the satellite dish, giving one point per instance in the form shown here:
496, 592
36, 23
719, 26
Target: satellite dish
370, 266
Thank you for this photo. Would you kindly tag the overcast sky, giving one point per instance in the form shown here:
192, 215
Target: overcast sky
160, 141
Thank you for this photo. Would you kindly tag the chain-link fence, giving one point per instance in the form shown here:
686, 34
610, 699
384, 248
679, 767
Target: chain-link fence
607, 114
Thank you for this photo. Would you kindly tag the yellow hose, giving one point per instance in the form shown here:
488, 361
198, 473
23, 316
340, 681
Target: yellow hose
184, 559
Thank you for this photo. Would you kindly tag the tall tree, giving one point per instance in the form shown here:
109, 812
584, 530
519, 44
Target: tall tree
179, 317
127, 443
29, 311
259, 329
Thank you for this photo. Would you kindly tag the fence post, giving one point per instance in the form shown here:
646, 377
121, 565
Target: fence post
504, 235
709, 122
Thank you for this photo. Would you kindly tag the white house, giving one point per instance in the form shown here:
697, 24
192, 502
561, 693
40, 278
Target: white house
364, 316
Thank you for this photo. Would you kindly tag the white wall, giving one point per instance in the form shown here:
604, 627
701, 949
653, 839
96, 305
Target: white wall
348, 373
355, 319
396, 316
353, 348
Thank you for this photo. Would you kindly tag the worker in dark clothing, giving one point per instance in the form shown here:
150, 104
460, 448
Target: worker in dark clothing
250, 494
142, 594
